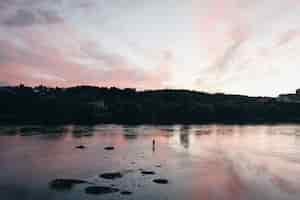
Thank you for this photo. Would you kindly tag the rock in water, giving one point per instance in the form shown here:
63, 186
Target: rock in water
144, 172
126, 192
112, 175
98, 190
65, 184
110, 148
161, 181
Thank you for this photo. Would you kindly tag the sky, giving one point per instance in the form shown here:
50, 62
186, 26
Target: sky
249, 47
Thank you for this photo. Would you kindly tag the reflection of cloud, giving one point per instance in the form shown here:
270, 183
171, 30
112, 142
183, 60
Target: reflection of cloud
284, 185
219, 180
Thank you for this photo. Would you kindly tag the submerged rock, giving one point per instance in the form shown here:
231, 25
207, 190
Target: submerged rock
112, 175
144, 172
161, 181
126, 192
98, 190
65, 184
109, 148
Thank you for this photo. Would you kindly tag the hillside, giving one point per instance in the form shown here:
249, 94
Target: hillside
85, 104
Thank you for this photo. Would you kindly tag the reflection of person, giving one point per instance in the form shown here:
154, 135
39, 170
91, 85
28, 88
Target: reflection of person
153, 145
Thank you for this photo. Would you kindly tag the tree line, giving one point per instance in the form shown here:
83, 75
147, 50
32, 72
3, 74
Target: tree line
91, 105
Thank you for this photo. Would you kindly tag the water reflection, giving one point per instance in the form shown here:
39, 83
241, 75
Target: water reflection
203, 132
200, 162
185, 136
9, 130
130, 133
82, 131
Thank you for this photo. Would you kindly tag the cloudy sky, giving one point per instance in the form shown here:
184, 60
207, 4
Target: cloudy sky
248, 47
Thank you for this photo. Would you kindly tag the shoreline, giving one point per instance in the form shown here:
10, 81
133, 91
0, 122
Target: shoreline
296, 122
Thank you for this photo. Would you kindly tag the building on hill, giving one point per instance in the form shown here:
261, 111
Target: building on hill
290, 98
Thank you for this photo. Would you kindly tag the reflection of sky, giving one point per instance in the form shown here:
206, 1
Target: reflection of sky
226, 162
209, 45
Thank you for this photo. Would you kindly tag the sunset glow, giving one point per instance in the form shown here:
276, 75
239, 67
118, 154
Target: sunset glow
231, 46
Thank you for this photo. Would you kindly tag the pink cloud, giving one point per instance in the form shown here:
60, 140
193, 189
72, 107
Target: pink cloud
42, 63
288, 36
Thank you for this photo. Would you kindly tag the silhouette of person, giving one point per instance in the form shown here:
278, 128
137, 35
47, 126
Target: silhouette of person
153, 145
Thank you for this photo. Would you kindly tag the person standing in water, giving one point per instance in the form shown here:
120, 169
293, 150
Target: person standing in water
153, 145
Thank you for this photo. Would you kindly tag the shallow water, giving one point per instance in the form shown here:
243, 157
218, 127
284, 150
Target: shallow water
200, 162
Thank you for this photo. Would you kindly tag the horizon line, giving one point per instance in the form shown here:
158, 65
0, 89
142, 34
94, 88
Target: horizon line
140, 90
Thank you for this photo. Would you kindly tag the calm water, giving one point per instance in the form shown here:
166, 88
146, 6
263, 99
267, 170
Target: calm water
200, 162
